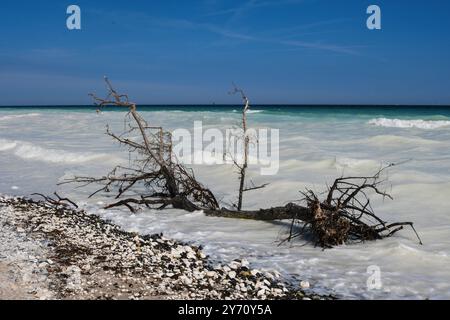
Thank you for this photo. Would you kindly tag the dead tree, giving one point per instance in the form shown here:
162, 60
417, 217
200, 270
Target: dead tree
166, 181
344, 216
242, 167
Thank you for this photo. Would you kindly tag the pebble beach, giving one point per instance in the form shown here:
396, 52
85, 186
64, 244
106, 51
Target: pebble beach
56, 252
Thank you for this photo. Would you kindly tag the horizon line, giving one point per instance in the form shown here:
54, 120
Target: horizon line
232, 105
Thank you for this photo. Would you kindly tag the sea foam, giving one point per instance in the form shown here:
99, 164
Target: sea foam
420, 124
28, 151
249, 111
18, 116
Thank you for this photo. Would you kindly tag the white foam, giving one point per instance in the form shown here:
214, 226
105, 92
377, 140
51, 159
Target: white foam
255, 111
421, 124
7, 145
351, 163
384, 140
311, 154
338, 163
249, 111
28, 151
19, 116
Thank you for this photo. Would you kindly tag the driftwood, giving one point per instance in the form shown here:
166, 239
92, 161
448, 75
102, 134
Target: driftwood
58, 202
345, 215
166, 182
288, 212
242, 166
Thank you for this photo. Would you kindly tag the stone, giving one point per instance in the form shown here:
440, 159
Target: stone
191, 255
245, 263
304, 285
186, 280
180, 269
254, 272
245, 274
211, 274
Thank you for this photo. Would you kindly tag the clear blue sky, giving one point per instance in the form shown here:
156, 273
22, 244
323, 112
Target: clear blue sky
187, 52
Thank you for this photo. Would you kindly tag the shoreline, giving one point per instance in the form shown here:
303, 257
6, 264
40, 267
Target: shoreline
56, 252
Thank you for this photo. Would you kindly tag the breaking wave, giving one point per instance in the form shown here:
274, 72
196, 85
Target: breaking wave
338, 163
386, 140
28, 151
249, 111
420, 124
18, 116
7, 145
351, 163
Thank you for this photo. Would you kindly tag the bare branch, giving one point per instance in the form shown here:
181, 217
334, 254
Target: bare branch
153, 164
339, 218
345, 215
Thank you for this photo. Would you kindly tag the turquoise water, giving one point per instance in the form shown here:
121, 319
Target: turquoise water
302, 109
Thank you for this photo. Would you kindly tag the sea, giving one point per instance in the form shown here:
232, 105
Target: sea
42, 146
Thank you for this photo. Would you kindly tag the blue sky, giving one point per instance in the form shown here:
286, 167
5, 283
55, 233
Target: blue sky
188, 52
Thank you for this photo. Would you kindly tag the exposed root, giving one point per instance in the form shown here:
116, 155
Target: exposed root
344, 216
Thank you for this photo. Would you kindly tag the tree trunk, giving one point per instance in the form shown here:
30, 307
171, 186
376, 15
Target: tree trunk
288, 212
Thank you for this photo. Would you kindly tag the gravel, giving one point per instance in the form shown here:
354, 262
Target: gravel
49, 252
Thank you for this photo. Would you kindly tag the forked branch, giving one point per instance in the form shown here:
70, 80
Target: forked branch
155, 179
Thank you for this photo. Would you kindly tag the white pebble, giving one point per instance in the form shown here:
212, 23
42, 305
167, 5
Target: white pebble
210, 274
304, 285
